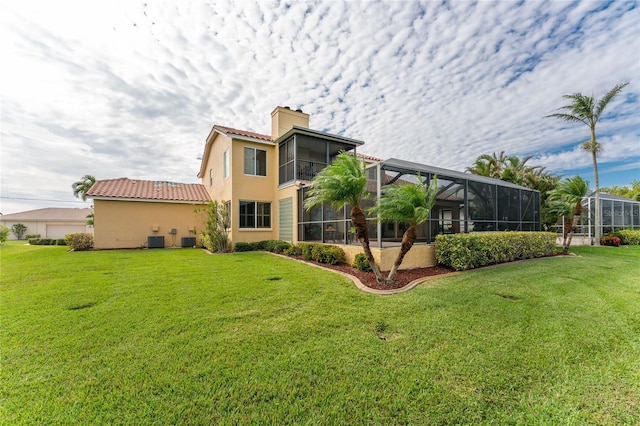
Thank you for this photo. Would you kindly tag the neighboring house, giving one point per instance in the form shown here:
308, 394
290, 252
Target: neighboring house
50, 222
133, 213
617, 213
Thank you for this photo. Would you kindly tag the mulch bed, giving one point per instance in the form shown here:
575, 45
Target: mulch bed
402, 278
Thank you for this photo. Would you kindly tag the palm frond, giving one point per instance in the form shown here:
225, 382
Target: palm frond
602, 104
344, 181
410, 203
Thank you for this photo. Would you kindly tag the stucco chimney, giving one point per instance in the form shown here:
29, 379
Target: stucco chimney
284, 118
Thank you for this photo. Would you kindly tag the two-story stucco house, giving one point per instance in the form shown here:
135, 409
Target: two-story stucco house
262, 176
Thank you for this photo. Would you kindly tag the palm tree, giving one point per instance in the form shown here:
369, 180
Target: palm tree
81, 187
566, 200
406, 203
585, 109
489, 165
345, 182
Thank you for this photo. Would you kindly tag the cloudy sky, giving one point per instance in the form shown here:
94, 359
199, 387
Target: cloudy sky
132, 88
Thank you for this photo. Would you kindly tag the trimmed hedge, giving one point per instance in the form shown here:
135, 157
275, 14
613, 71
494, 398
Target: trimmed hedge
32, 236
468, 251
628, 237
274, 246
323, 253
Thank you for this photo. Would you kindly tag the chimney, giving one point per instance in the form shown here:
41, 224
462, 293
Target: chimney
284, 118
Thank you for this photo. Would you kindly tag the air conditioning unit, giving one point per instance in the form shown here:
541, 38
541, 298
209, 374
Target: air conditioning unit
155, 241
188, 242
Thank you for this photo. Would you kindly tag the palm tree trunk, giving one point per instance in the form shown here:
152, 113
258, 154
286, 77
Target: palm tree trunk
408, 239
359, 221
598, 218
566, 241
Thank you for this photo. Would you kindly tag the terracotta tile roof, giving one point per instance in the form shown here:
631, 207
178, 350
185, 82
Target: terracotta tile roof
50, 214
368, 157
149, 190
245, 133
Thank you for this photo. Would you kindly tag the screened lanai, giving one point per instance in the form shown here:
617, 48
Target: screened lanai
464, 203
617, 213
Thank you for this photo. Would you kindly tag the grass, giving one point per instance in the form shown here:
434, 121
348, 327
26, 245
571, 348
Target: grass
182, 337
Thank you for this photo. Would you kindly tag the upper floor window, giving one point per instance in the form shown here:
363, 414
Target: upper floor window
255, 161
225, 166
210, 177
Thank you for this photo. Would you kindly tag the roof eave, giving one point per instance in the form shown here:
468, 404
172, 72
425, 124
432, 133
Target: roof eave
317, 133
150, 200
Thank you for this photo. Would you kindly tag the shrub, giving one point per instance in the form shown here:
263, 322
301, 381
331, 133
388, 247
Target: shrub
4, 234
628, 236
330, 254
360, 262
61, 242
18, 230
239, 247
293, 250
305, 250
215, 236
467, 251
34, 241
79, 241
32, 236
279, 246
610, 240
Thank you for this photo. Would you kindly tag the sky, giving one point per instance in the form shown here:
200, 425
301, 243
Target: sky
132, 88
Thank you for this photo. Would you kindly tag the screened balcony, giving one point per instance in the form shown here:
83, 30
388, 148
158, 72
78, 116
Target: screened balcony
302, 153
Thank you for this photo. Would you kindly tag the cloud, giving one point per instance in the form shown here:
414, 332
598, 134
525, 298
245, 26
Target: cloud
132, 89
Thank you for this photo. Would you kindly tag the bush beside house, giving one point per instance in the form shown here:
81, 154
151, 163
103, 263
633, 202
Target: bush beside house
467, 251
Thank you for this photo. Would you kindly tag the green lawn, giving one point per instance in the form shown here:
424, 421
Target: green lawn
182, 337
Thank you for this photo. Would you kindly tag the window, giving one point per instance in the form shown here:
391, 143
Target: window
254, 214
255, 161
210, 177
226, 164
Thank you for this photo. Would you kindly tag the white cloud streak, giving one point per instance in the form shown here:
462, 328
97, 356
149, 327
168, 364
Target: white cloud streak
132, 88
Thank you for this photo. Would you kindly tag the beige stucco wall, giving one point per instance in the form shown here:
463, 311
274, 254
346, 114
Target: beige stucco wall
127, 224
283, 119
217, 186
420, 256
290, 191
253, 188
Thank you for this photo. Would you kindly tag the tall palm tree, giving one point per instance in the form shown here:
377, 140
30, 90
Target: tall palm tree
406, 203
566, 200
81, 187
586, 110
345, 182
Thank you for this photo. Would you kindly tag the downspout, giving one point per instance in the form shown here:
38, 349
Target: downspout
378, 189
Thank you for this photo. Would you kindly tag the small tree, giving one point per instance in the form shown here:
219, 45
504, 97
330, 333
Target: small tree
4, 234
566, 200
408, 203
18, 230
345, 182
215, 236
